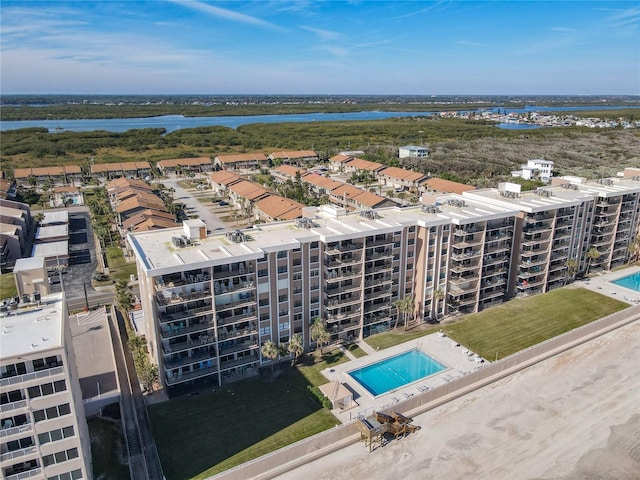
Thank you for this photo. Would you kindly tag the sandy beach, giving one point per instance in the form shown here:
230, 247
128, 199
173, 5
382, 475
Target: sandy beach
574, 416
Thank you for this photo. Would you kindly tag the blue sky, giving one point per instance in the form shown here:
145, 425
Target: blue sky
320, 47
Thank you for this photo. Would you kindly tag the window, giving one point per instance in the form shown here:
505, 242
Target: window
55, 435
60, 457
282, 254
314, 244
52, 412
314, 259
282, 298
262, 272
265, 330
263, 302
314, 273
283, 326
73, 475
282, 269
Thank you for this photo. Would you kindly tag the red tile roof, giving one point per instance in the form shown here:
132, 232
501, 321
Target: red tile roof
447, 186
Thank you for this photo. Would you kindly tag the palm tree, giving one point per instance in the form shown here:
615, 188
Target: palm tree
319, 333
295, 347
269, 350
571, 269
634, 248
592, 254
439, 296
124, 298
404, 306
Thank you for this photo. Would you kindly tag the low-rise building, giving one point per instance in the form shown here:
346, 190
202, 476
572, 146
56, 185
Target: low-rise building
537, 168
194, 165
295, 157
38, 176
413, 151
241, 160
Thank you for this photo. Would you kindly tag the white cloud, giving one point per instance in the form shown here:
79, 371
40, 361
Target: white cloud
323, 34
224, 13
472, 44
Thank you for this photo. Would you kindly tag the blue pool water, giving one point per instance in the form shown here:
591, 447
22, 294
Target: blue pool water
632, 282
395, 372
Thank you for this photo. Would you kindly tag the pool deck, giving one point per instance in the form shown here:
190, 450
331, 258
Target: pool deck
602, 284
457, 359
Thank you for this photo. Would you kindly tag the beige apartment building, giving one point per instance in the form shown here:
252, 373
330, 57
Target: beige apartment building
211, 301
43, 431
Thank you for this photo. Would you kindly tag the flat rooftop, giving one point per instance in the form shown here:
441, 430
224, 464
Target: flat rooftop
159, 255
33, 329
52, 231
51, 249
55, 216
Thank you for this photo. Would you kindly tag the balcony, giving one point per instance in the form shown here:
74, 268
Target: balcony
248, 314
533, 262
234, 272
34, 472
379, 242
336, 317
18, 454
181, 361
27, 377
171, 331
379, 318
230, 347
343, 302
248, 360
465, 255
337, 249
15, 430
202, 339
336, 275
377, 294
175, 377
185, 314
221, 288
227, 334
244, 299
176, 298
343, 262
494, 260
171, 282
464, 266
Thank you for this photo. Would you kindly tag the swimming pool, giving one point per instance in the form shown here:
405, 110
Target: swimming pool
632, 282
395, 372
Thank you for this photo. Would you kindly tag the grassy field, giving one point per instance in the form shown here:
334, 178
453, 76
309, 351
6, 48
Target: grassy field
219, 429
384, 340
119, 268
107, 450
7, 286
521, 323
356, 351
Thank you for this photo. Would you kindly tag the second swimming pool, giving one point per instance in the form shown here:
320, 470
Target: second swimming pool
395, 372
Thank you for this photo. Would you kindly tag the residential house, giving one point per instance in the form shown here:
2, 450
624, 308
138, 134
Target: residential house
274, 208
356, 164
67, 196
439, 185
65, 175
412, 151
401, 178
245, 194
295, 157
241, 160
194, 165
108, 171
221, 181
536, 168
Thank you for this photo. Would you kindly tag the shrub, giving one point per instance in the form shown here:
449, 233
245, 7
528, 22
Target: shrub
317, 394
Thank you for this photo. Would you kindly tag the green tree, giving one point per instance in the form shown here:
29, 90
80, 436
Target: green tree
147, 373
403, 306
438, 295
269, 350
124, 298
634, 249
592, 254
571, 266
319, 333
295, 347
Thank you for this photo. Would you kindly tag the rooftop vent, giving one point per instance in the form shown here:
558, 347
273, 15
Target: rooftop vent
508, 194
179, 242
237, 236
369, 214
305, 223
430, 209
454, 202
605, 181
543, 192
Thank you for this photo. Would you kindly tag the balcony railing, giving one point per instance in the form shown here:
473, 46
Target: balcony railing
188, 360
34, 472
184, 314
248, 299
26, 377
18, 453
170, 331
162, 284
24, 428
177, 298
174, 377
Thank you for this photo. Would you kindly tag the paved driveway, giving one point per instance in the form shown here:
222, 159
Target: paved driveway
191, 204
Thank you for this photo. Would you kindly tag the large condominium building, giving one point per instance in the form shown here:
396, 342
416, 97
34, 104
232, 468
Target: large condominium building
211, 301
43, 431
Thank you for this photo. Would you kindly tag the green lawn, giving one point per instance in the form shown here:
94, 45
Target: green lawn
107, 450
521, 323
119, 268
7, 285
220, 429
380, 341
356, 351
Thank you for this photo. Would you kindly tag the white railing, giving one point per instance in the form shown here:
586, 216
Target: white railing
18, 379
